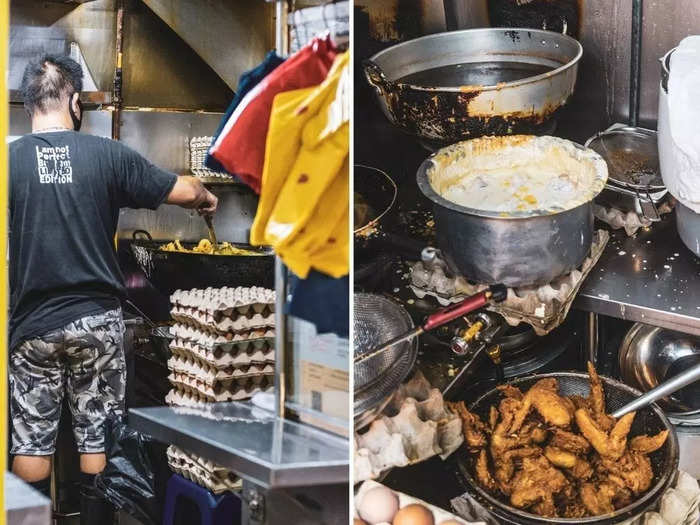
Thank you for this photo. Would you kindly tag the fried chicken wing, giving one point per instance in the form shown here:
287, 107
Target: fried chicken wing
536, 482
632, 470
607, 445
648, 444
569, 441
548, 403
579, 402
598, 498
493, 417
582, 469
505, 465
560, 458
511, 391
473, 428
483, 474
597, 401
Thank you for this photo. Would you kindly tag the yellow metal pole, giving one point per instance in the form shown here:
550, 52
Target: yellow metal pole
4, 284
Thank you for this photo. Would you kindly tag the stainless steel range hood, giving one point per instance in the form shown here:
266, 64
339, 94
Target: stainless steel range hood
231, 37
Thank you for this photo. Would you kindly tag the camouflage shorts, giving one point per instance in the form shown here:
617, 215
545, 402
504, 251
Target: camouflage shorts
85, 359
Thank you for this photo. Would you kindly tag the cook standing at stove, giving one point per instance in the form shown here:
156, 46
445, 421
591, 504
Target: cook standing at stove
66, 328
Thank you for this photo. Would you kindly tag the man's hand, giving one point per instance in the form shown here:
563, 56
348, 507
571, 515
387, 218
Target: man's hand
189, 192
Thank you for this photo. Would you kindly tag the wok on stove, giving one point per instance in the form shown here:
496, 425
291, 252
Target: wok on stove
169, 271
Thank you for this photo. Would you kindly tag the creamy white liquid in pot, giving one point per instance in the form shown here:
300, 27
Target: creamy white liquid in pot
517, 174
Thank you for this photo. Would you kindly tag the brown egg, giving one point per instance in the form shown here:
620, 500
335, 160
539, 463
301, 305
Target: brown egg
358, 521
414, 514
451, 522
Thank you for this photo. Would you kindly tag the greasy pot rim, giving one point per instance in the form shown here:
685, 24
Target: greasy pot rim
503, 85
427, 189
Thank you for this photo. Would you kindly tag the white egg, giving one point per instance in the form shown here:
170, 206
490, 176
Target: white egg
378, 505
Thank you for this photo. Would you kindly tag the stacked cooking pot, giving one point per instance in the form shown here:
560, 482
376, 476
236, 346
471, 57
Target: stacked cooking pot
449, 87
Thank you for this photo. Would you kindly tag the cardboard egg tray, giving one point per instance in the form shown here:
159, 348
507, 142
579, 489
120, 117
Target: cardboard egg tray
219, 390
439, 514
223, 325
416, 425
189, 364
202, 471
209, 337
194, 398
220, 359
265, 342
226, 301
543, 307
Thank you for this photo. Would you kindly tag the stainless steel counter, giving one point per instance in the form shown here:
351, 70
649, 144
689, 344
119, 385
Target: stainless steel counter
23, 504
252, 442
650, 278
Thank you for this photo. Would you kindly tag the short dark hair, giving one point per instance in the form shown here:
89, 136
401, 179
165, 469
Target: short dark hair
49, 80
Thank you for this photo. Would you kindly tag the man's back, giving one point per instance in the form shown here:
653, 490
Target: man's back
66, 191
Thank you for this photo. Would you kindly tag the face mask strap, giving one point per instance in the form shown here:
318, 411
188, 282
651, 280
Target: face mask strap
77, 122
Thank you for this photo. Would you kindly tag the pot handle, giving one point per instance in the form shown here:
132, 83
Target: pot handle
141, 233
376, 77
564, 23
649, 209
496, 293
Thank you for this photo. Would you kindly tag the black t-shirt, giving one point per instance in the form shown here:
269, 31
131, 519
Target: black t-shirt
65, 193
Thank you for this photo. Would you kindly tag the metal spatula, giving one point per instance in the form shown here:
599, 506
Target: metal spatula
212, 233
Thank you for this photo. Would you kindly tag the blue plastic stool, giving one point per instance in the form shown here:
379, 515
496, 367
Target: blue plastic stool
224, 509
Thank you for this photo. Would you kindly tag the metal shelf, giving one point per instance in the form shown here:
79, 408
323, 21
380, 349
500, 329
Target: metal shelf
252, 442
90, 99
650, 278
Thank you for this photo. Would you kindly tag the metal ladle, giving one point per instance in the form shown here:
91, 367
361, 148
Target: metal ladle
664, 389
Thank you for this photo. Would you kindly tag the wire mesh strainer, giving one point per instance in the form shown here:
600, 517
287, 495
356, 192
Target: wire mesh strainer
378, 319
648, 420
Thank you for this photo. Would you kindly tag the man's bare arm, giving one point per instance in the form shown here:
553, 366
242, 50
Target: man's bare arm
189, 192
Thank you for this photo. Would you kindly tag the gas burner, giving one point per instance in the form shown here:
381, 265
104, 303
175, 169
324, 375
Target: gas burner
542, 307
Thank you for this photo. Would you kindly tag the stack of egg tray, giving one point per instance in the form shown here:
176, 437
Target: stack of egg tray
223, 344
202, 471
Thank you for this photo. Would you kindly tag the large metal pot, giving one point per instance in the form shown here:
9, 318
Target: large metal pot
687, 220
490, 94
517, 249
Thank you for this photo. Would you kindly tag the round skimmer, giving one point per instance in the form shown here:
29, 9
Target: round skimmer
378, 319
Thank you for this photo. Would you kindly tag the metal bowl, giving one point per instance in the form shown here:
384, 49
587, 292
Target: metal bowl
649, 420
488, 81
649, 355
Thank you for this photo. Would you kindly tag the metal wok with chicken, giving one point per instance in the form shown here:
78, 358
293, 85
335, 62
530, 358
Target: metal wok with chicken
558, 456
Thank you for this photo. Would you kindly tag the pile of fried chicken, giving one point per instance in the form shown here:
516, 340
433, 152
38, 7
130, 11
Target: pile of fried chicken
558, 456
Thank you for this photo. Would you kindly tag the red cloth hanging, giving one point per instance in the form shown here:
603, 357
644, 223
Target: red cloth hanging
240, 147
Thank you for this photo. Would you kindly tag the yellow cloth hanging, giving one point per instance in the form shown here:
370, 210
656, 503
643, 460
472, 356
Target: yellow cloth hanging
323, 243
303, 211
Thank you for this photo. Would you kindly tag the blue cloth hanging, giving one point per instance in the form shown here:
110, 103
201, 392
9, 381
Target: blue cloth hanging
248, 81
323, 301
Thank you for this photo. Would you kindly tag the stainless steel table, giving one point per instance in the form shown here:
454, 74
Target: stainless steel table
252, 442
23, 504
651, 278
